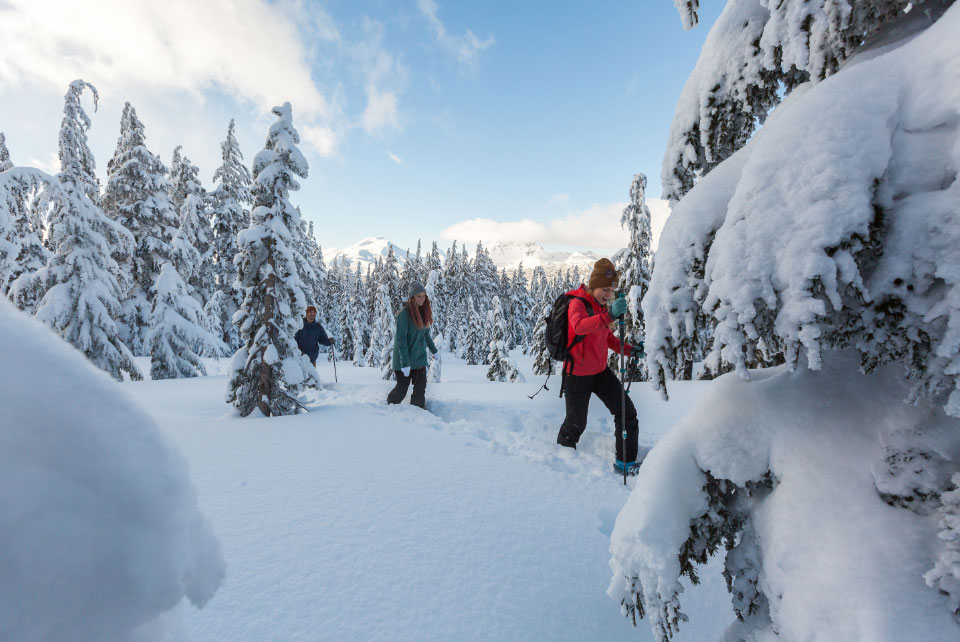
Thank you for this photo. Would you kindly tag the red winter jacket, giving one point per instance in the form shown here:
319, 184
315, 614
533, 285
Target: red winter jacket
590, 354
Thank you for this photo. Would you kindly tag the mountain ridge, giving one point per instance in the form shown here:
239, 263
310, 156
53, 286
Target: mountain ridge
505, 255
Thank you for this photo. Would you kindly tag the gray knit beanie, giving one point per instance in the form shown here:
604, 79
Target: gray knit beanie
416, 288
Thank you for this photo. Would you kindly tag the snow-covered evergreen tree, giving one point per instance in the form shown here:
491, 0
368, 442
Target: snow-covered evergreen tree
755, 53
852, 282
436, 365
345, 329
360, 320
137, 196
190, 249
81, 284
228, 215
506, 295
945, 575
390, 276
269, 372
485, 278
381, 339
523, 309
558, 285
634, 267
438, 302
411, 267
5, 162
190, 199
25, 194
502, 367
306, 249
472, 346
542, 361
177, 335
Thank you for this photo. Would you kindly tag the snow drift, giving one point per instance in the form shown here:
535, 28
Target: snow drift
790, 489
100, 531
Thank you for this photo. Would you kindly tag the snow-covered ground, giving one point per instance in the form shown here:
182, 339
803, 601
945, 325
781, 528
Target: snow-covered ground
360, 521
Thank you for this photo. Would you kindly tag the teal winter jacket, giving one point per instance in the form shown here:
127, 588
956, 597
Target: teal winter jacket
410, 343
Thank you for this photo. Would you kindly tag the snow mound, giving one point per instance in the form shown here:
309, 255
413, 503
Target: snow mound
100, 531
792, 489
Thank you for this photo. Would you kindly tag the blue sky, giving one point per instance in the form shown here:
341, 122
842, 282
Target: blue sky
420, 118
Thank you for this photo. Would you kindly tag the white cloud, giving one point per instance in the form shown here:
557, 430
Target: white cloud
51, 165
323, 139
396, 159
177, 45
596, 227
183, 54
384, 79
464, 48
381, 111
559, 200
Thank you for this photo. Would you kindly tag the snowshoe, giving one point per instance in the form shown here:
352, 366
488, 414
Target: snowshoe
633, 467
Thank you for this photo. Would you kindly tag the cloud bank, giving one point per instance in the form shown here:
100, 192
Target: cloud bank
596, 227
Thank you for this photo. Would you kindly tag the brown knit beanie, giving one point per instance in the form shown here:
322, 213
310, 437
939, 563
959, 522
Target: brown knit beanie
604, 275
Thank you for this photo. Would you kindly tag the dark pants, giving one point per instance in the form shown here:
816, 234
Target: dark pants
606, 386
419, 378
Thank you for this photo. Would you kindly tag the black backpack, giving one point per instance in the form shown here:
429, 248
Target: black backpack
558, 343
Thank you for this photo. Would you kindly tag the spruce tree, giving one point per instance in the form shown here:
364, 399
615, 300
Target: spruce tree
360, 319
191, 249
268, 371
411, 271
345, 340
542, 361
24, 194
484, 275
381, 340
502, 367
304, 250
5, 162
390, 276
634, 268
137, 196
435, 367
522, 309
177, 336
471, 338
506, 294
229, 216
81, 284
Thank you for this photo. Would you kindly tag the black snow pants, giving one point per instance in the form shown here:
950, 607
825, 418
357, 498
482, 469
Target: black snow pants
577, 391
419, 378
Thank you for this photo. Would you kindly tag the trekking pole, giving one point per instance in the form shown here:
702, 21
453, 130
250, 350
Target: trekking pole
333, 353
623, 394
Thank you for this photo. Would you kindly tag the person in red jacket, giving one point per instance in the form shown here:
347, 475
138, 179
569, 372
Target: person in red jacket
587, 372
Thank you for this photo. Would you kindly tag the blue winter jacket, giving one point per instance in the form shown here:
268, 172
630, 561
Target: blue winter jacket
310, 337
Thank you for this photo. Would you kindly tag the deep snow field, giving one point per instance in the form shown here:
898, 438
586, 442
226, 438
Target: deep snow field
359, 521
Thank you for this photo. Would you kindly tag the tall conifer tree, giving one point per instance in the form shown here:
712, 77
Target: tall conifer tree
138, 197
81, 284
228, 213
268, 371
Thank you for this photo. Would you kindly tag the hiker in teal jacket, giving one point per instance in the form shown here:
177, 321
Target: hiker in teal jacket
410, 343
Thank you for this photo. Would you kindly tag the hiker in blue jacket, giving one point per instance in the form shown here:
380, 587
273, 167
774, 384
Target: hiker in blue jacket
311, 336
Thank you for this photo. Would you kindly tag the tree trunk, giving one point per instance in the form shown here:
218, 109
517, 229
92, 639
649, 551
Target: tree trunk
269, 304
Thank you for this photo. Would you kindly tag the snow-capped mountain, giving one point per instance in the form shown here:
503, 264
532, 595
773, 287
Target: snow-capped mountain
509, 256
504, 255
366, 251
